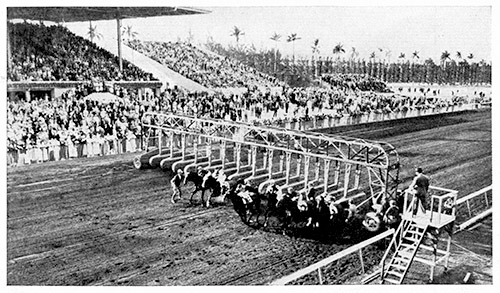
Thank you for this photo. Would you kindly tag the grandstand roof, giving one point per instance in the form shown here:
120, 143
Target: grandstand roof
75, 14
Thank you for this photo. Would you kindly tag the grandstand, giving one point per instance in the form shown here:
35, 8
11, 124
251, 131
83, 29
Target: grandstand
53, 53
209, 70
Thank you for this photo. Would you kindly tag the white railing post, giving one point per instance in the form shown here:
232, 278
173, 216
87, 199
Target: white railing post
320, 277
361, 259
468, 208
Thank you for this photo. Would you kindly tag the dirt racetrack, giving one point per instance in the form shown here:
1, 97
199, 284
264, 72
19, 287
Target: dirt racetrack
99, 221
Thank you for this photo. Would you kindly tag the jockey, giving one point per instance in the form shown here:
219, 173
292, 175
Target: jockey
239, 185
245, 195
311, 193
202, 171
352, 210
215, 173
208, 174
294, 196
244, 184
391, 215
272, 188
279, 195
243, 190
176, 185
221, 177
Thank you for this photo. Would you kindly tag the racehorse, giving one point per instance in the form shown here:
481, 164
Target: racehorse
386, 214
246, 201
210, 184
271, 195
294, 211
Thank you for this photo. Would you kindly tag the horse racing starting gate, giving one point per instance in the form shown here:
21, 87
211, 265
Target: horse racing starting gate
343, 167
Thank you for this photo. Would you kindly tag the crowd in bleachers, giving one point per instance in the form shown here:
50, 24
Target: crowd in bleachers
205, 68
77, 126
72, 125
53, 53
350, 81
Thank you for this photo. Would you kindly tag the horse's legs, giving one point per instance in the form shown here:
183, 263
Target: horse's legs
208, 200
202, 196
267, 215
196, 189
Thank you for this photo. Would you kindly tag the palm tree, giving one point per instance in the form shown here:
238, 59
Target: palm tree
315, 50
388, 54
380, 55
237, 33
92, 33
401, 59
372, 64
445, 56
315, 47
415, 55
470, 57
276, 38
129, 33
338, 49
292, 38
354, 53
459, 55
473, 67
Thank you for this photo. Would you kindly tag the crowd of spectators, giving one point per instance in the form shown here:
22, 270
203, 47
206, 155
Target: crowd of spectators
352, 81
72, 119
53, 53
207, 69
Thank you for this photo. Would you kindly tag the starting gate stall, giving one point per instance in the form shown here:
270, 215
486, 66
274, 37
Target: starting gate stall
336, 166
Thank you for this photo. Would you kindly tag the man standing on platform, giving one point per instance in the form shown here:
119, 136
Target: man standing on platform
420, 186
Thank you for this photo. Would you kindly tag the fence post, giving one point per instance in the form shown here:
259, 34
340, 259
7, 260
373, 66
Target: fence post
361, 259
468, 208
320, 276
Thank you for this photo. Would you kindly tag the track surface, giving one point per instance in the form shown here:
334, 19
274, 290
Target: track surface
98, 221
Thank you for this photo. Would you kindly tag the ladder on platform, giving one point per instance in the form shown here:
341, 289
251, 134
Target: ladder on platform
410, 238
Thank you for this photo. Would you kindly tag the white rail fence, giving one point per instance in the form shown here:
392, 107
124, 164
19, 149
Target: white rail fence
474, 207
317, 267
471, 209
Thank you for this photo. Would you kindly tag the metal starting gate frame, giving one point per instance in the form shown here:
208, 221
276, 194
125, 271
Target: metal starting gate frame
186, 134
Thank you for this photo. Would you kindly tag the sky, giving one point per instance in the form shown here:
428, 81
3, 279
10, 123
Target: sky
430, 30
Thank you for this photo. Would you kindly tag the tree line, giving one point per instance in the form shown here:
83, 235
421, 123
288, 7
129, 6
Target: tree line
303, 72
